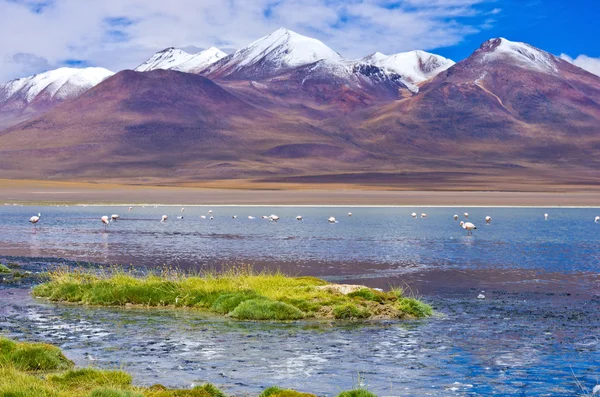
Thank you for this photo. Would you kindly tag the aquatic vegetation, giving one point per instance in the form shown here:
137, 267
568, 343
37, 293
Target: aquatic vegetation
4, 269
239, 293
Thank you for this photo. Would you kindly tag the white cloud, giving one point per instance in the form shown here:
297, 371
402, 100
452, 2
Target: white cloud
119, 34
585, 62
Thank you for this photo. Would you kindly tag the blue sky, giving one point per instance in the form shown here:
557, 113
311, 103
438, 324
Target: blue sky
37, 35
556, 26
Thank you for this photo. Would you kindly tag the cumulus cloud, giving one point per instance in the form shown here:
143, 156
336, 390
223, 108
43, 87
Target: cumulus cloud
585, 62
119, 34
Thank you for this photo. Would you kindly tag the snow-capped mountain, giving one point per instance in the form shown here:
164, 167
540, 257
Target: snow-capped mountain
201, 60
519, 54
168, 58
414, 67
62, 83
270, 55
24, 97
175, 59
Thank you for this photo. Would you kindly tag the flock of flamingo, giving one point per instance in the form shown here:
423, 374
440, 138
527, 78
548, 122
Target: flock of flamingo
468, 226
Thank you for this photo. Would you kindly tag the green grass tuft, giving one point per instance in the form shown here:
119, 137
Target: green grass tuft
228, 302
275, 391
265, 309
32, 356
414, 307
4, 269
349, 311
90, 377
356, 393
107, 392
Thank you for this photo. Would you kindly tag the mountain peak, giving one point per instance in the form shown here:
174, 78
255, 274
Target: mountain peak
272, 54
413, 66
61, 83
518, 53
201, 60
165, 59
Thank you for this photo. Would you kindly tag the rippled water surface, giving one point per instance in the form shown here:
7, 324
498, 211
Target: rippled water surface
517, 238
537, 329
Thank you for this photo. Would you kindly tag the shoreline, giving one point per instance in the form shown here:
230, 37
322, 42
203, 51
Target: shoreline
75, 193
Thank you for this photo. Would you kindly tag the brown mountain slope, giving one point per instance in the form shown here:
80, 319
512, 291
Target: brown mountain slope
166, 124
508, 105
509, 115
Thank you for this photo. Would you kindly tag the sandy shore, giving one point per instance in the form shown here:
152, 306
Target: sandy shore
36, 192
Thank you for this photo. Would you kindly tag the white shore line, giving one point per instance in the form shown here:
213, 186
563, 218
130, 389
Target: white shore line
327, 206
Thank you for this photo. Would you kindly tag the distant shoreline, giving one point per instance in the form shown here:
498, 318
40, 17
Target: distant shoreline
73, 193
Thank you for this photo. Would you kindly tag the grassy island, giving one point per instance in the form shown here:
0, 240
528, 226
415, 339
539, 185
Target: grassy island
239, 293
41, 370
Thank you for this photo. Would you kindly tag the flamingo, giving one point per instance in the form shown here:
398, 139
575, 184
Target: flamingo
488, 219
209, 212
423, 215
545, 217
299, 218
332, 220
273, 218
469, 227
251, 217
104, 220
202, 216
180, 217
234, 217
597, 219
114, 217
35, 219
466, 215
349, 213
183, 209
265, 217
414, 214
130, 208
455, 217
164, 218
211, 218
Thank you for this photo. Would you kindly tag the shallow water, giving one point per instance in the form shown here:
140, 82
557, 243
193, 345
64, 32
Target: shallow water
538, 325
385, 237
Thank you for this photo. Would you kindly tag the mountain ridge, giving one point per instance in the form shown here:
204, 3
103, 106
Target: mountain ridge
509, 110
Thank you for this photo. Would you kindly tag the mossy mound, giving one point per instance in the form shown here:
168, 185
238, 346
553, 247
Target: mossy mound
239, 293
32, 356
349, 311
106, 392
90, 377
275, 391
356, 393
206, 390
265, 309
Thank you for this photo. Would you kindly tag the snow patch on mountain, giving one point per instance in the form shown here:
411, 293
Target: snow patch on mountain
521, 54
201, 60
62, 83
271, 54
414, 66
168, 58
